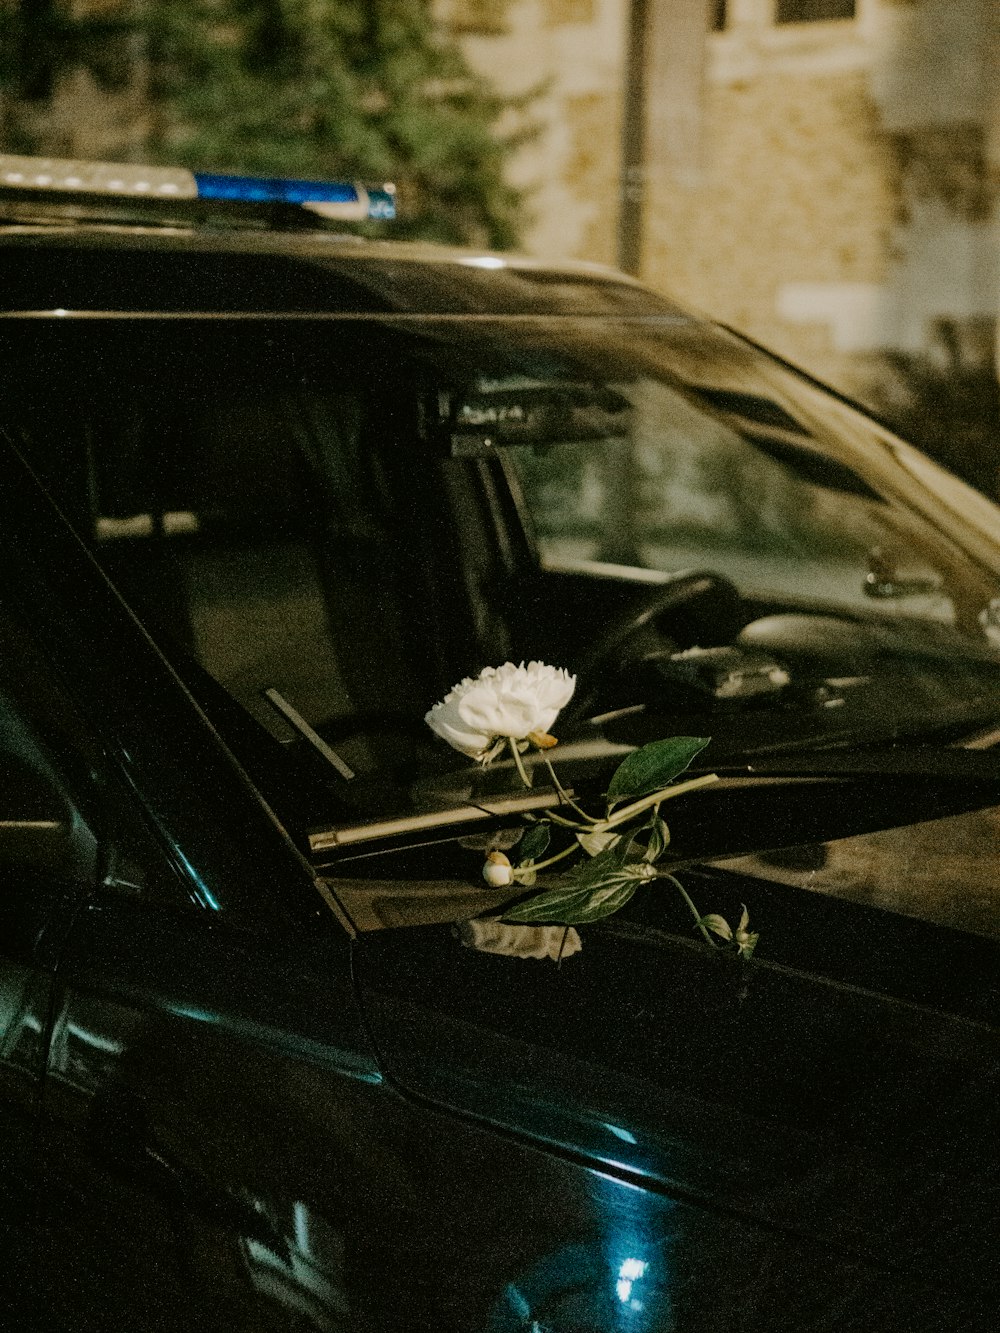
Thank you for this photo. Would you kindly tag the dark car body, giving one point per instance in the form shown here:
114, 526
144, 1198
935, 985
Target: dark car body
250, 1079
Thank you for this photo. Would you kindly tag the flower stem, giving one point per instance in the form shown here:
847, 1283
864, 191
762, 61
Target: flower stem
564, 795
694, 911
630, 811
518, 761
542, 865
575, 824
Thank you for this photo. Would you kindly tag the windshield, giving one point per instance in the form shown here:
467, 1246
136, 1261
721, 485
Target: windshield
356, 512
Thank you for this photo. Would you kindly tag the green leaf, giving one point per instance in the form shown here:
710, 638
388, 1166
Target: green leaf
534, 842
659, 840
575, 906
745, 939
605, 864
595, 843
717, 924
746, 942
652, 766
593, 890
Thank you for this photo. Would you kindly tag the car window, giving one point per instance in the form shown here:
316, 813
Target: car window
246, 495
208, 522
350, 512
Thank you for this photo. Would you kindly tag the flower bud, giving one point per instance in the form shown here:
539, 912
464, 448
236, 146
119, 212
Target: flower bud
498, 871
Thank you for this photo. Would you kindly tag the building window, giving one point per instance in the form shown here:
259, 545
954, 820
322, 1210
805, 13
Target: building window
812, 11
480, 17
717, 14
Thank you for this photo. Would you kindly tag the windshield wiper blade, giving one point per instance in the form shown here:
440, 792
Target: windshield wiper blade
281, 705
323, 840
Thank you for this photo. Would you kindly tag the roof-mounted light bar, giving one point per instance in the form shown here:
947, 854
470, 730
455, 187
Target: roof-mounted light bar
341, 200
114, 178
331, 199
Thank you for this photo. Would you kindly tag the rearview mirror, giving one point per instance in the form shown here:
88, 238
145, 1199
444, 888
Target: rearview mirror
493, 413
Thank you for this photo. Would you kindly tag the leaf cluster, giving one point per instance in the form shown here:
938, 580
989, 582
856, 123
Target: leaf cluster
369, 90
622, 848
362, 89
41, 41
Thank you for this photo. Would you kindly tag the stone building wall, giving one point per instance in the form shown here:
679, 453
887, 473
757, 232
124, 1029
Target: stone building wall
571, 53
828, 188
796, 194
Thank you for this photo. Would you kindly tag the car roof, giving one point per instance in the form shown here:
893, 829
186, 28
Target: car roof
58, 255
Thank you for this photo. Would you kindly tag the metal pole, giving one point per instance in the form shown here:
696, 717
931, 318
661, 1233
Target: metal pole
633, 166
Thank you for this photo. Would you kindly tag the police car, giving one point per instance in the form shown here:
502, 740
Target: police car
270, 490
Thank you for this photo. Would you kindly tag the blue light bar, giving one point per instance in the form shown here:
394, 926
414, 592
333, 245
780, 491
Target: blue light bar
342, 200
333, 199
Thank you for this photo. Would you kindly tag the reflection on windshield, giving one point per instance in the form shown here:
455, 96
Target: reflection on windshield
690, 489
942, 871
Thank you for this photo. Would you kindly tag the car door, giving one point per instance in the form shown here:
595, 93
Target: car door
48, 865
148, 889
69, 832
217, 1147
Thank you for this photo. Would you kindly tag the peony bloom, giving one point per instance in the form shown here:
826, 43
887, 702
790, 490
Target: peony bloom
509, 702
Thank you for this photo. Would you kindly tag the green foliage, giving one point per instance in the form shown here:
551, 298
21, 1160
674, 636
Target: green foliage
367, 90
40, 42
658, 839
948, 404
743, 939
576, 906
648, 769
619, 853
364, 89
535, 841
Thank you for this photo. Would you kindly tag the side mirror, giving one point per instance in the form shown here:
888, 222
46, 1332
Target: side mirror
40, 831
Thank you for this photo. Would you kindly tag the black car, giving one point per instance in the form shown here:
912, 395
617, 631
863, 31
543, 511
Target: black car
270, 492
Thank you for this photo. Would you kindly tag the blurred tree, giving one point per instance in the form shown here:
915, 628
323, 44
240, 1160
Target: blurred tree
365, 89
947, 402
41, 41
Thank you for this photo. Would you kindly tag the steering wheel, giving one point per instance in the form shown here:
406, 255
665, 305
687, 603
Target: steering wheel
703, 608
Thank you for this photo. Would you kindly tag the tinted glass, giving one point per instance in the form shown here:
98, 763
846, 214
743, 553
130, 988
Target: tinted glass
753, 497
358, 512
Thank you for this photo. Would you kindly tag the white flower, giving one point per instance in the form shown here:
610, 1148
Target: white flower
490, 936
508, 702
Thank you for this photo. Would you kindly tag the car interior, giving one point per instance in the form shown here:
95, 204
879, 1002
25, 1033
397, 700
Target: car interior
358, 516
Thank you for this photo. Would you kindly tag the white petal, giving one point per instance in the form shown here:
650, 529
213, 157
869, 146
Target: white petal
497, 713
509, 700
443, 718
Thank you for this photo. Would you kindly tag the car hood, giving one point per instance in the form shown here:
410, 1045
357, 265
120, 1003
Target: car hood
823, 1102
